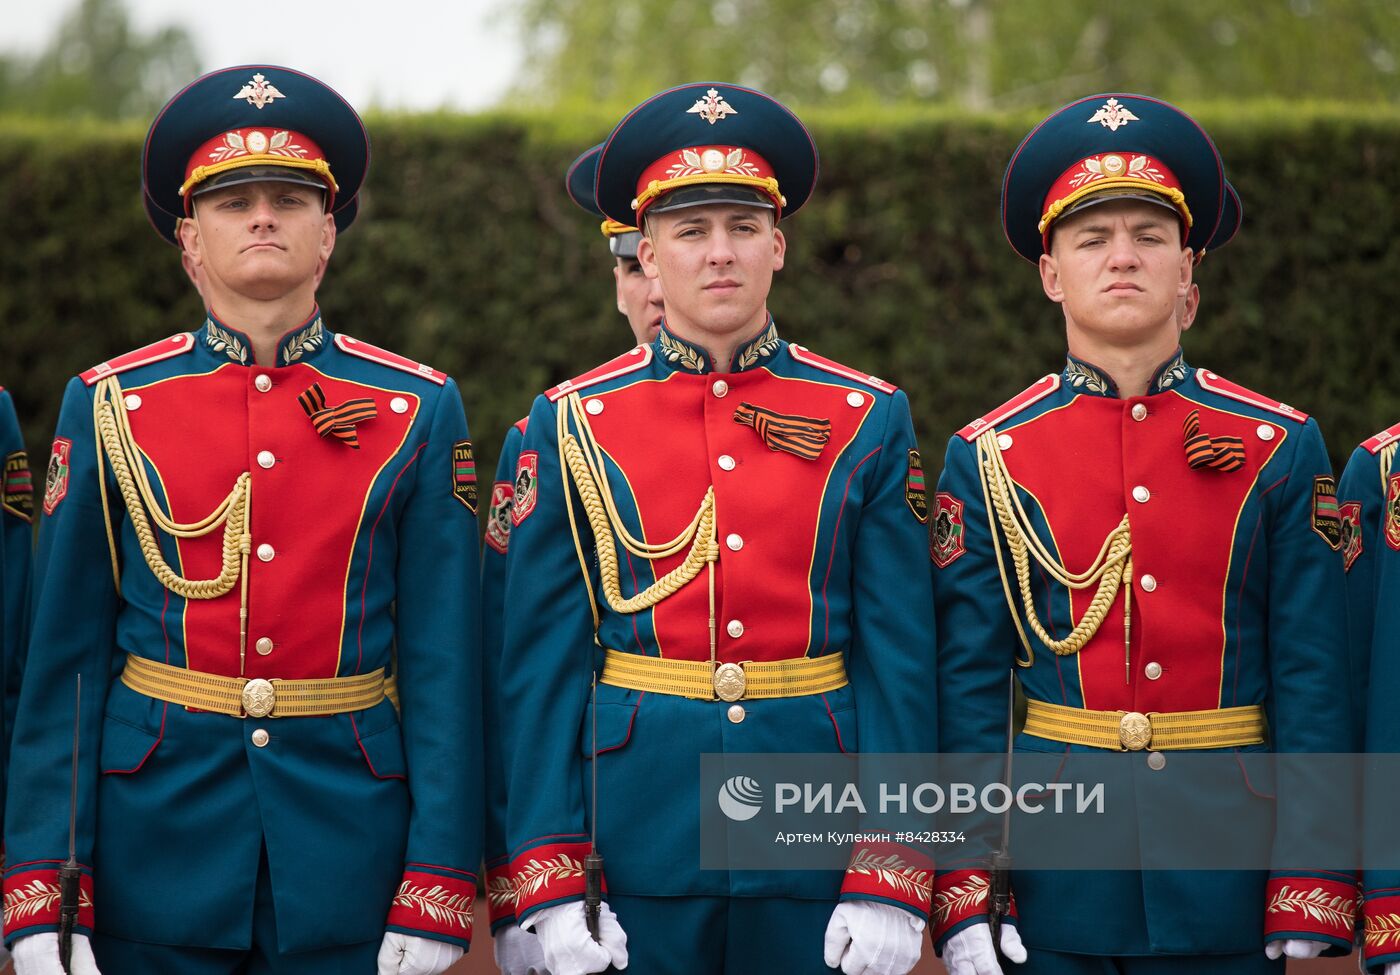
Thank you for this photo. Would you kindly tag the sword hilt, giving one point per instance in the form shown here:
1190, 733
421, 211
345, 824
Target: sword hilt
593, 892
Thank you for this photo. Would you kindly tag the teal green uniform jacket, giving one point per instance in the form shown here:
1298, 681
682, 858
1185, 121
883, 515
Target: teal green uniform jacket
1235, 588
819, 554
358, 553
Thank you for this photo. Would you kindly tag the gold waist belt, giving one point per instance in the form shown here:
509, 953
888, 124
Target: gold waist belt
240, 697
726, 682
1132, 731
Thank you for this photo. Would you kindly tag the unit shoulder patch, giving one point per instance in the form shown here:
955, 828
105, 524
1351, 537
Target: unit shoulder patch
1383, 439
1212, 383
1351, 533
1033, 393
630, 361
807, 357
56, 480
464, 474
1326, 516
498, 515
1392, 511
393, 360
946, 538
155, 352
17, 486
527, 484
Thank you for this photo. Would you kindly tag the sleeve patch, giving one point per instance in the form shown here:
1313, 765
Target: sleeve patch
527, 484
498, 516
1351, 533
946, 536
464, 474
1326, 518
1392, 512
56, 481
17, 486
914, 490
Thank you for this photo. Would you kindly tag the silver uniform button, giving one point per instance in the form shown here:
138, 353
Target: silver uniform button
263, 383
261, 737
398, 404
1139, 411
726, 463
266, 552
735, 542
1149, 583
736, 713
132, 401
1153, 670
1141, 494
1004, 441
735, 629
263, 646
720, 388
1265, 432
594, 406
855, 399
266, 458
1156, 761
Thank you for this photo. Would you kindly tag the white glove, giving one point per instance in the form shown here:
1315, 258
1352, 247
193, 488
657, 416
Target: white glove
869, 938
969, 952
518, 952
568, 948
1392, 968
408, 954
1299, 948
37, 954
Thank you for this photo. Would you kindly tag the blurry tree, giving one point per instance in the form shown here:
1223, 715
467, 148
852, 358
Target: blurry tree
98, 65
973, 53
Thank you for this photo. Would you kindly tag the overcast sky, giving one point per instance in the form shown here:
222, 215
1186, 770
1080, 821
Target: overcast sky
419, 54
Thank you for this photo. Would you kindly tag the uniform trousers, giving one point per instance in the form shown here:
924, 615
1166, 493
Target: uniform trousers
722, 935
116, 956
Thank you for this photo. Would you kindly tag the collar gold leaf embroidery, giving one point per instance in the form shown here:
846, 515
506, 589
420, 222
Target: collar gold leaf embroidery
760, 348
222, 340
680, 353
307, 340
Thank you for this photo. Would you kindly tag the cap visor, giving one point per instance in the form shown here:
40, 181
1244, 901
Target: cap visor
625, 245
1112, 196
258, 174
710, 194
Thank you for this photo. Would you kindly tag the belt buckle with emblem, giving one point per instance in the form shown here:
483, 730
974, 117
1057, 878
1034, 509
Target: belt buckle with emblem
729, 681
259, 698
1135, 731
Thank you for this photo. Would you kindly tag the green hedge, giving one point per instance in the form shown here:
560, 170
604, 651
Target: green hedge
469, 256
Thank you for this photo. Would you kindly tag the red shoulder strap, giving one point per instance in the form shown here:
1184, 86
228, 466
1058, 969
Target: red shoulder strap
155, 352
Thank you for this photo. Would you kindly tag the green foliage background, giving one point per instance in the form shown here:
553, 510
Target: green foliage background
469, 256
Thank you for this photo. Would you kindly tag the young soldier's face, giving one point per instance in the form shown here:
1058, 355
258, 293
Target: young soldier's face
259, 240
715, 264
639, 298
1119, 270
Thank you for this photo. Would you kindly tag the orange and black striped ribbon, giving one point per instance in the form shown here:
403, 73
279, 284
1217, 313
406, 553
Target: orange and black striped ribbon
1215, 453
338, 421
802, 436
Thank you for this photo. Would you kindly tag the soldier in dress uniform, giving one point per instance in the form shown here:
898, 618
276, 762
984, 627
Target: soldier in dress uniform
1129, 492
727, 530
1369, 509
639, 299
16, 543
252, 515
